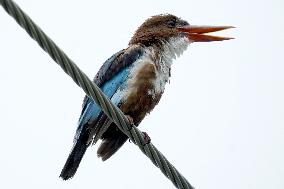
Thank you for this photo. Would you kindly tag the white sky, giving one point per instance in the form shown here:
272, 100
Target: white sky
220, 121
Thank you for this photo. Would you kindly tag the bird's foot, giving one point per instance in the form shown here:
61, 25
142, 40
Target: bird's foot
146, 137
130, 120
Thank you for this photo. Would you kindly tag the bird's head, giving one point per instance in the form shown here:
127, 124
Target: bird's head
164, 28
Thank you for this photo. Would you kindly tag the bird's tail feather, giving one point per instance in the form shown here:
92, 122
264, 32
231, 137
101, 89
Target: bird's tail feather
74, 159
110, 145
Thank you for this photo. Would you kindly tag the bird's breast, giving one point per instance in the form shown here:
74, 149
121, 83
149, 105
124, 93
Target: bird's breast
144, 88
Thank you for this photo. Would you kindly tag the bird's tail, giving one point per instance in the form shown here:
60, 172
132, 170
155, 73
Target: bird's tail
74, 159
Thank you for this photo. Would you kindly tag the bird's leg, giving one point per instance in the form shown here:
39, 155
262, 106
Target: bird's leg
146, 138
130, 119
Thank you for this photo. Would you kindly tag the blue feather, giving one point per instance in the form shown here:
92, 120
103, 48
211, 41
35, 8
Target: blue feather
116, 69
111, 90
112, 80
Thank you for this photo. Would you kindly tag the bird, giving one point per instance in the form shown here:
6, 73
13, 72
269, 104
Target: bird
134, 79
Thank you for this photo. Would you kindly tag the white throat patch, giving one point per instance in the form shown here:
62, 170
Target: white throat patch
173, 48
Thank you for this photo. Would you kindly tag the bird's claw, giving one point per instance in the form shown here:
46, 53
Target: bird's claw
130, 119
146, 137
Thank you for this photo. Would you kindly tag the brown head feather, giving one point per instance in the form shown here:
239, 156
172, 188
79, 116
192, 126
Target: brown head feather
157, 29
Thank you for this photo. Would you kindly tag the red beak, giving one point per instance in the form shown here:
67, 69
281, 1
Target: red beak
196, 33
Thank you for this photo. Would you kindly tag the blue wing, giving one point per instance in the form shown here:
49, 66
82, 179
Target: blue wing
111, 77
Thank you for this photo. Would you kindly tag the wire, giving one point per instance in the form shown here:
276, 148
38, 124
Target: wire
94, 92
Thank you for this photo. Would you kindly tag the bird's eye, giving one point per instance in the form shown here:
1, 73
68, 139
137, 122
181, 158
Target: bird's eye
171, 24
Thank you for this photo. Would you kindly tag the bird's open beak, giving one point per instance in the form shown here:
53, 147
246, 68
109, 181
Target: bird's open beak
196, 33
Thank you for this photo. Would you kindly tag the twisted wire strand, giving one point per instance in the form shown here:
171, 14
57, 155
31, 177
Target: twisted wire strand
94, 92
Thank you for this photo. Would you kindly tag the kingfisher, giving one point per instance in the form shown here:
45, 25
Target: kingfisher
134, 79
